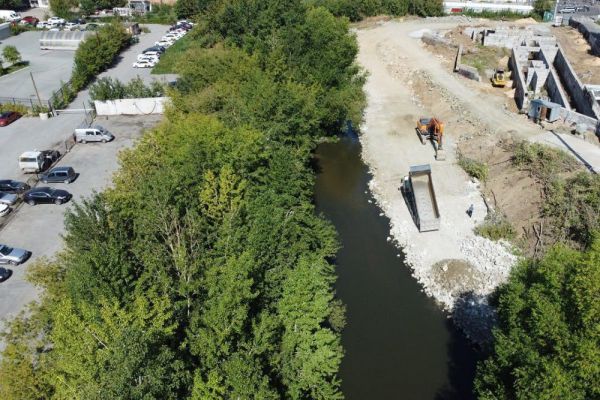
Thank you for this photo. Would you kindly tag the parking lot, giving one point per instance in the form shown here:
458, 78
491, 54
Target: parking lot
39, 228
123, 69
49, 68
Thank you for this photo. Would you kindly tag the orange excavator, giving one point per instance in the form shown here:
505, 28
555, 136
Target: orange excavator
432, 129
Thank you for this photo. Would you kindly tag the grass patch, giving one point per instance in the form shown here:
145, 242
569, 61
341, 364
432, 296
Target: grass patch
483, 58
496, 227
13, 68
474, 168
543, 162
169, 60
498, 15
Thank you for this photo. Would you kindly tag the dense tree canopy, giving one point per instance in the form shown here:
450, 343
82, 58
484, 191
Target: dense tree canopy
547, 345
205, 273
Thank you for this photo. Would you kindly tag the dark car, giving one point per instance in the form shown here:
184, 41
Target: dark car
29, 20
12, 255
160, 49
79, 21
8, 117
46, 195
51, 155
59, 174
10, 186
4, 274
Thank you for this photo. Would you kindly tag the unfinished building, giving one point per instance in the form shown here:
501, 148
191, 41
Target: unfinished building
540, 70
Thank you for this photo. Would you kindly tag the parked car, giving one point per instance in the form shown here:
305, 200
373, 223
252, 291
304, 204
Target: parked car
33, 161
10, 16
10, 186
78, 21
10, 199
12, 255
4, 209
46, 195
159, 49
42, 24
164, 43
56, 21
92, 27
8, 117
4, 274
59, 174
29, 20
96, 133
71, 26
155, 54
144, 64
147, 57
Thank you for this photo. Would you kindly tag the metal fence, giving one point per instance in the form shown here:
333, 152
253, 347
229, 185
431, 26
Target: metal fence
31, 102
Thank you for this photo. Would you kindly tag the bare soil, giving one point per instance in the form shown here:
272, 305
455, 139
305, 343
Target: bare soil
586, 65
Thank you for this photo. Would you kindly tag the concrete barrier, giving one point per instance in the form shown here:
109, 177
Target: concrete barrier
4, 30
153, 105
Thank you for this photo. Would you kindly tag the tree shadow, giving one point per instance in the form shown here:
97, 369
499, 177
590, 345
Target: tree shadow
470, 328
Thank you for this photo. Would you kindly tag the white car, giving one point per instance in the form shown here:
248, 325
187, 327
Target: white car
170, 38
42, 24
56, 21
71, 26
147, 57
164, 43
144, 64
4, 209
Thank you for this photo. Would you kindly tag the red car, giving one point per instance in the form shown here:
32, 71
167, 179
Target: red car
29, 20
8, 117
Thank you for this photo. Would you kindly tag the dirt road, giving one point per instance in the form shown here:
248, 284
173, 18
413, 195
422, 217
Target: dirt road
398, 65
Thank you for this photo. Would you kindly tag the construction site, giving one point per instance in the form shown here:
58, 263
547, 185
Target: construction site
453, 102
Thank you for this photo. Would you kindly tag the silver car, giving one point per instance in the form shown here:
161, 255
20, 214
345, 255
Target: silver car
13, 256
8, 198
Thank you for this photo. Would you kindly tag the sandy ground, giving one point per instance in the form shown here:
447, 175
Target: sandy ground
396, 60
586, 65
406, 80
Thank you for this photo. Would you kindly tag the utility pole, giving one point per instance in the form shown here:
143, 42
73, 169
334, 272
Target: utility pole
35, 88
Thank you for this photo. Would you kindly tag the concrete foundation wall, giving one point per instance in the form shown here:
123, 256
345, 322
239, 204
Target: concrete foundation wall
131, 106
465, 70
4, 30
553, 86
521, 93
573, 85
573, 117
590, 30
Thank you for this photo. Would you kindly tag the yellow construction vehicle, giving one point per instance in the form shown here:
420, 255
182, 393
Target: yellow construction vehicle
432, 129
499, 78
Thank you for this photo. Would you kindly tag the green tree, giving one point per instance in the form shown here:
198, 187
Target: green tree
63, 8
87, 7
11, 54
541, 6
547, 344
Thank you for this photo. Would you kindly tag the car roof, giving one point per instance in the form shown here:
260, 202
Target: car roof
31, 154
55, 169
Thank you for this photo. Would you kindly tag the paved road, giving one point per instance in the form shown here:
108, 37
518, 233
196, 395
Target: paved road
39, 228
49, 68
124, 71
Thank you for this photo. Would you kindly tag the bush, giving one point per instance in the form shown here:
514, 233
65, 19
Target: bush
474, 168
113, 89
543, 162
97, 53
496, 227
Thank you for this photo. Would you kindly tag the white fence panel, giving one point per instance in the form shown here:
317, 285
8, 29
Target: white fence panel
151, 105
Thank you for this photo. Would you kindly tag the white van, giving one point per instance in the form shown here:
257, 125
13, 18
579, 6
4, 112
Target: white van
9, 16
93, 134
33, 161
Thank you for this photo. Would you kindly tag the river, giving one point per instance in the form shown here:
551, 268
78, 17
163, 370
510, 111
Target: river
398, 344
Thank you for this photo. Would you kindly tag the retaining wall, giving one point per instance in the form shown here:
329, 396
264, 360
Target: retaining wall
573, 85
553, 85
590, 30
521, 92
154, 105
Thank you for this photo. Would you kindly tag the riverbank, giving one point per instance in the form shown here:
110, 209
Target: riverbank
452, 264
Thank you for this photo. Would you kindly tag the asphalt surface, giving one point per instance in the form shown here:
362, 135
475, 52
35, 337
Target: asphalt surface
123, 69
39, 228
49, 68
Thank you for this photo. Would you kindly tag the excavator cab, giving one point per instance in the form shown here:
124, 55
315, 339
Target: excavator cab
499, 78
432, 129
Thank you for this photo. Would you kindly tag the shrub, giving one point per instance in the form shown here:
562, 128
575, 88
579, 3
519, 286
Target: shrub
496, 227
541, 161
474, 168
97, 53
112, 89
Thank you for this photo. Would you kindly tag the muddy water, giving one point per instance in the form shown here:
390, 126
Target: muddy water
398, 344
